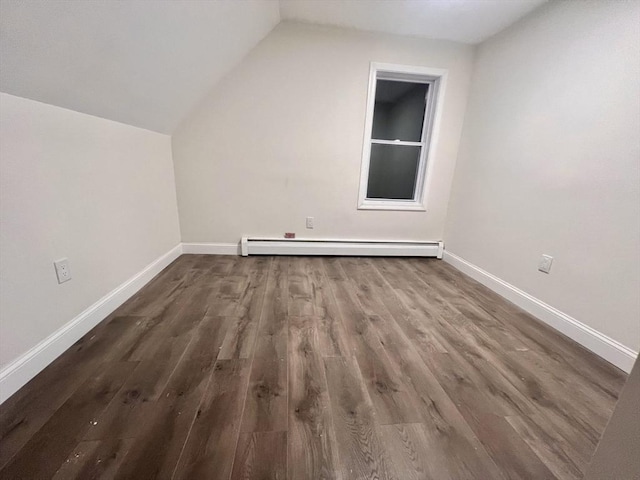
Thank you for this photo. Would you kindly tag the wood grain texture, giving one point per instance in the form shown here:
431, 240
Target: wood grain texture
58, 436
29, 409
94, 459
312, 448
210, 448
261, 456
164, 432
312, 368
272, 334
240, 338
266, 405
362, 452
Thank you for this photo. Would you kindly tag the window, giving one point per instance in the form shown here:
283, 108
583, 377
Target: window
401, 111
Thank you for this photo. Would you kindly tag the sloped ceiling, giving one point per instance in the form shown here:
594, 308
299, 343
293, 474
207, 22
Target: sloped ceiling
147, 63
141, 62
466, 21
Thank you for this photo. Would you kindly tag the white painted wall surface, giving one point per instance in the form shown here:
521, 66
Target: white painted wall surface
71, 185
143, 63
550, 163
280, 138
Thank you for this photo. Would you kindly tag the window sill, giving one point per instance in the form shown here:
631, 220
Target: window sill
408, 206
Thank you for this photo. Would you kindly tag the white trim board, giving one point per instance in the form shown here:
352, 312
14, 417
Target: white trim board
611, 350
24, 368
436, 78
211, 248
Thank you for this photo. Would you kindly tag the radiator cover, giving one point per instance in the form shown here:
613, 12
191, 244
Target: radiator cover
363, 248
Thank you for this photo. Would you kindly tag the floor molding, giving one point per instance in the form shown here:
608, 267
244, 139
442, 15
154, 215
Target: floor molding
600, 344
211, 248
28, 365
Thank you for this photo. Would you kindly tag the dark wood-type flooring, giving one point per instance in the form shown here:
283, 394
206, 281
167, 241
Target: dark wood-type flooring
312, 368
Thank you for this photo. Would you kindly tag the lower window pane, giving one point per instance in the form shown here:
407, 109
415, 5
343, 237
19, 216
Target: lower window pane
392, 171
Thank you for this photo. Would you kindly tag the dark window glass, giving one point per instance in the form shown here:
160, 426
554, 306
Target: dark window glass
399, 110
392, 171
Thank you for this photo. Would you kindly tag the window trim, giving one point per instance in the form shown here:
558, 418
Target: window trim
436, 77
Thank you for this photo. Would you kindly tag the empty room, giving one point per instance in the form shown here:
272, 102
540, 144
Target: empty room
320, 239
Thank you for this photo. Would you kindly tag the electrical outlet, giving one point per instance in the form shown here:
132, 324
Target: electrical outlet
544, 265
309, 222
63, 271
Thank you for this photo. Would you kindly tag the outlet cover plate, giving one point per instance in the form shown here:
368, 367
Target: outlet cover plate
545, 263
63, 271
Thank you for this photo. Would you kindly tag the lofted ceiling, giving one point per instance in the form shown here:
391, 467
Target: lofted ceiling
466, 21
141, 62
147, 63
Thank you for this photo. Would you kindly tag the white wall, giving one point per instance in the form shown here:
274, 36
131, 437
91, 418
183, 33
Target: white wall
143, 63
280, 138
617, 452
550, 162
98, 192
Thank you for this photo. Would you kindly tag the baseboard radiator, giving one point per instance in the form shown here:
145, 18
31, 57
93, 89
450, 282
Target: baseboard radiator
355, 248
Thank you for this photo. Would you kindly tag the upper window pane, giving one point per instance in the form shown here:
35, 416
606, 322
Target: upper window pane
399, 110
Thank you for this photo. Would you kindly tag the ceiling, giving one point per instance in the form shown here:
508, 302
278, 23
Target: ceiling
466, 21
148, 63
140, 62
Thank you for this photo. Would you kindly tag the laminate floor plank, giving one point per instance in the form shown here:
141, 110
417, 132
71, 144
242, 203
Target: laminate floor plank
92, 460
508, 449
29, 409
266, 404
126, 415
391, 400
229, 367
417, 453
158, 294
261, 456
457, 308
130, 408
301, 294
312, 446
553, 450
208, 337
544, 339
161, 438
405, 280
331, 335
537, 389
54, 441
272, 333
210, 449
240, 339
477, 343
169, 328
450, 436
362, 453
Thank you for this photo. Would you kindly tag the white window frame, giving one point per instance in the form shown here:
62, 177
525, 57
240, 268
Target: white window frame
436, 78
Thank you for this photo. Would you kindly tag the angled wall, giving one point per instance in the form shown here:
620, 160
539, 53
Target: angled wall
280, 138
617, 453
549, 163
98, 192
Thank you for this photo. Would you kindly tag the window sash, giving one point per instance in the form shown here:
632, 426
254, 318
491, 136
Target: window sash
437, 80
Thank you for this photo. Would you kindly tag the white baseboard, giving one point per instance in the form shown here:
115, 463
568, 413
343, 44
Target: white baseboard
28, 365
211, 248
614, 352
